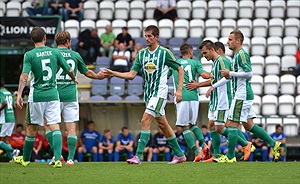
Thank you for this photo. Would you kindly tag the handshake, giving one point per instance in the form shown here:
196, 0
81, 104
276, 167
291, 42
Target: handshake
105, 73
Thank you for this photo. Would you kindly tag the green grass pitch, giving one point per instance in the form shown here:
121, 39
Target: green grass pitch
154, 173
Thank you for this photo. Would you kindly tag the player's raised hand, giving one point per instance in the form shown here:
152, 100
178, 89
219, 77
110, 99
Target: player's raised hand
191, 86
19, 102
225, 73
209, 91
108, 73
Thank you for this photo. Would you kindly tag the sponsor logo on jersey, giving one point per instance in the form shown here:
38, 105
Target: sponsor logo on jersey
150, 67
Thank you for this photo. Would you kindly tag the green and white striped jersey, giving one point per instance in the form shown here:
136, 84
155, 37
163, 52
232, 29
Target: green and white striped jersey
192, 69
220, 97
9, 109
154, 67
241, 87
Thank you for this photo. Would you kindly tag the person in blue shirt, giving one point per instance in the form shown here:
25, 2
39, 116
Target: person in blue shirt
160, 145
261, 146
88, 142
124, 144
206, 136
279, 136
106, 145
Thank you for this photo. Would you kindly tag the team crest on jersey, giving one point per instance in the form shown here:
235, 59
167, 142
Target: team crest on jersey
150, 67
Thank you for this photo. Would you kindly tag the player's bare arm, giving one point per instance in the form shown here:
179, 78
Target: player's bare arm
71, 74
205, 75
91, 74
124, 75
22, 84
178, 93
194, 85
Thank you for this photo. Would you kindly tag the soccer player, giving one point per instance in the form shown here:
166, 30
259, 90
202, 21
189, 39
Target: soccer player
241, 109
154, 62
187, 109
43, 100
67, 90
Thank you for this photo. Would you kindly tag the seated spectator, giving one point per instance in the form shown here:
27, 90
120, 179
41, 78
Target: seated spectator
17, 139
124, 144
223, 145
37, 152
107, 42
298, 63
88, 142
137, 48
160, 145
88, 45
180, 139
38, 7
106, 145
73, 8
125, 38
279, 136
148, 149
238, 147
261, 147
165, 10
206, 136
121, 59
56, 7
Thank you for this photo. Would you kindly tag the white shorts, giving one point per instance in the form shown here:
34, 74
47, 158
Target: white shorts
36, 111
241, 110
7, 129
70, 111
187, 113
156, 106
218, 116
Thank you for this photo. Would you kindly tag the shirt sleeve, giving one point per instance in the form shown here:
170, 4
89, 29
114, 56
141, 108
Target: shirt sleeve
244, 62
26, 64
119, 138
171, 61
137, 64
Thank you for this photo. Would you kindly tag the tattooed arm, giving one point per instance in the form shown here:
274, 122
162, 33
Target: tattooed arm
22, 84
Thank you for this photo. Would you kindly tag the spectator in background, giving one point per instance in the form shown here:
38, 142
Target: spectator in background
73, 8
160, 145
106, 145
298, 63
121, 59
125, 38
38, 7
148, 149
17, 139
89, 45
165, 10
124, 144
107, 42
261, 147
206, 136
279, 136
223, 145
88, 142
137, 48
37, 152
180, 139
56, 7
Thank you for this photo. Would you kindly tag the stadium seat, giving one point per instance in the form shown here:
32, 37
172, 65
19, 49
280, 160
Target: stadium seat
87, 24
206, 65
277, 9
224, 40
99, 87
288, 84
132, 98
195, 42
134, 28
257, 84
101, 24
271, 84
274, 46
181, 28
162, 41
227, 25
97, 98
212, 28
174, 45
260, 27
288, 63
117, 25
199, 9
276, 26
260, 121
297, 105
230, 9
290, 45
72, 26
262, 9
166, 28
2, 8
286, 105
184, 8
258, 65
149, 22
102, 63
213, 39
246, 9
150, 7
269, 105
25, 4
141, 40
106, 10
291, 27
137, 10
135, 86
171, 85
290, 125
121, 10
247, 44
13, 9
245, 26
196, 28
272, 65
117, 86
298, 84
258, 46
271, 123
293, 9
114, 98
257, 104
215, 9
90, 10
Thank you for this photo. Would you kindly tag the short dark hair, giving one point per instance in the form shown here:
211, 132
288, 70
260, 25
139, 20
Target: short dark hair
90, 122
106, 130
124, 128
154, 29
204, 126
19, 125
37, 34
2, 82
278, 126
125, 28
220, 45
238, 35
208, 44
184, 48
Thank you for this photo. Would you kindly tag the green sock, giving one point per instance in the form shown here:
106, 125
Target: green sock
190, 141
175, 146
142, 142
57, 144
7, 148
28, 146
72, 140
241, 139
262, 134
49, 138
216, 141
232, 140
198, 134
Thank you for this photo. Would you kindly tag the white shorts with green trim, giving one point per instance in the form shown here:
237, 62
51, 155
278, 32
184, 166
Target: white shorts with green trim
187, 113
70, 111
241, 110
156, 107
7, 129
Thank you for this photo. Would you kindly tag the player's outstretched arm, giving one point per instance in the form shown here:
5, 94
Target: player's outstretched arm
22, 84
227, 74
92, 75
124, 75
178, 93
194, 85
